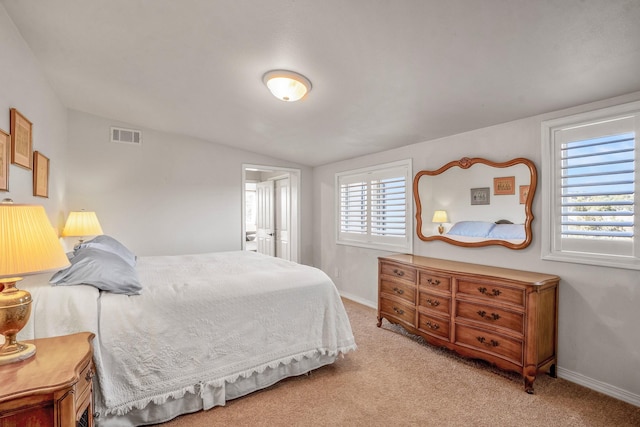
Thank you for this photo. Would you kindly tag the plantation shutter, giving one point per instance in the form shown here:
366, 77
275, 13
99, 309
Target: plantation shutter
596, 195
373, 207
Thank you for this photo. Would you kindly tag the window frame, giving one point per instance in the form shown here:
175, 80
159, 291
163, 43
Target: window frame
552, 250
367, 240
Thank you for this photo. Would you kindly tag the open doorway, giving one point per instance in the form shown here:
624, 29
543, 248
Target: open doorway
271, 211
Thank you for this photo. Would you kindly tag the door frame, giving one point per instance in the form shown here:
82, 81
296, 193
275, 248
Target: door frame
295, 175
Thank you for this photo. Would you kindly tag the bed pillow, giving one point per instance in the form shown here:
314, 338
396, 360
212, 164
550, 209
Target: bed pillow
109, 244
507, 231
471, 228
101, 269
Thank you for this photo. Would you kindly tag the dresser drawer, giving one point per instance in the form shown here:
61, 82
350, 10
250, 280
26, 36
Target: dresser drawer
491, 316
439, 303
403, 312
399, 271
433, 325
490, 342
436, 282
85, 378
492, 292
400, 289
83, 386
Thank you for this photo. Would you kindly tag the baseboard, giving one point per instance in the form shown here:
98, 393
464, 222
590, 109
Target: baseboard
359, 300
599, 386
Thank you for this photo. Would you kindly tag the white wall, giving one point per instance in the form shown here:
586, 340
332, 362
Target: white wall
599, 344
23, 86
171, 195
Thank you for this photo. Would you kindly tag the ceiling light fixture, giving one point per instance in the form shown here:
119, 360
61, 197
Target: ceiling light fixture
286, 85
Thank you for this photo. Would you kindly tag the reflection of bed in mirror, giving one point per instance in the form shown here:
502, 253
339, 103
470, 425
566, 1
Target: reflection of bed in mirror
478, 231
485, 202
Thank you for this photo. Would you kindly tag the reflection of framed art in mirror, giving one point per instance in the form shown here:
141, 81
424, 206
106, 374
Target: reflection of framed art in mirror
524, 193
504, 186
480, 196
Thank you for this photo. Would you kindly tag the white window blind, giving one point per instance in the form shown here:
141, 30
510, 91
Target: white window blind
374, 207
591, 161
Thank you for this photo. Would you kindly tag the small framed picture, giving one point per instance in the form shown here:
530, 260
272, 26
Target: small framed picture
505, 185
40, 175
480, 196
21, 139
5, 154
524, 193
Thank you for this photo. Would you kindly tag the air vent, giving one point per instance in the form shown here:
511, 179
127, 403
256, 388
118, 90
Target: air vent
126, 136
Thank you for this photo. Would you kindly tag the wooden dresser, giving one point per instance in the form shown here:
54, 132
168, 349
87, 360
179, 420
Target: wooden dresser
506, 317
52, 388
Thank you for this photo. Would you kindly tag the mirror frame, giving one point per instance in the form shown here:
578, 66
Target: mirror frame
466, 163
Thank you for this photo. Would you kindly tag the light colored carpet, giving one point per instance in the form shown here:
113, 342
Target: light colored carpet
393, 380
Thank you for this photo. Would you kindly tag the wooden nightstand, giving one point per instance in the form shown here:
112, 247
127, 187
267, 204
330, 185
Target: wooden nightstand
53, 388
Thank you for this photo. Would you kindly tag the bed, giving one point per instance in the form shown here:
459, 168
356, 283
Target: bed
185, 333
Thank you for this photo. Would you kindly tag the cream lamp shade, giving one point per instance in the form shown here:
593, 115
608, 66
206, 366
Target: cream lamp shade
286, 85
28, 244
440, 216
80, 224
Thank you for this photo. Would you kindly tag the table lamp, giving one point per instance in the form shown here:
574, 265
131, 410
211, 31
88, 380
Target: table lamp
28, 244
81, 224
440, 216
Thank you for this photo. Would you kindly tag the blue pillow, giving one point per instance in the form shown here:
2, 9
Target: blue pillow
109, 244
471, 228
507, 231
101, 269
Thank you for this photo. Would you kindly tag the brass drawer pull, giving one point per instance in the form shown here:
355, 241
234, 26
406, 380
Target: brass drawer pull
398, 310
398, 291
493, 316
493, 293
398, 272
433, 303
430, 325
491, 343
433, 282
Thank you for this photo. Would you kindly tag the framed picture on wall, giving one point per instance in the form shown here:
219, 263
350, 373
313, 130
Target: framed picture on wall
505, 185
480, 196
21, 139
40, 175
5, 154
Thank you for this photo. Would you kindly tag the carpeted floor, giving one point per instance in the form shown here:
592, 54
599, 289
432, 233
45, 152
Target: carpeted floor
394, 380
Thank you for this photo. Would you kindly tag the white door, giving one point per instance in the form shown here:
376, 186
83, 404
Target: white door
265, 218
283, 218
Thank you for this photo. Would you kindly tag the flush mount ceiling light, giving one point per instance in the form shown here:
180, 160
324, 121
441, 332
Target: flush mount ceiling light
286, 85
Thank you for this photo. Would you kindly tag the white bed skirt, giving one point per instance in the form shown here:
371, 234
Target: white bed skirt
213, 396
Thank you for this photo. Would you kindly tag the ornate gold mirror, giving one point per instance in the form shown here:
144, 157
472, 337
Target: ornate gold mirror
476, 202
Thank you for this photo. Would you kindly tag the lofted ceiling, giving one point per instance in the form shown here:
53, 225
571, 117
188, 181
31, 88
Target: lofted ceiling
385, 73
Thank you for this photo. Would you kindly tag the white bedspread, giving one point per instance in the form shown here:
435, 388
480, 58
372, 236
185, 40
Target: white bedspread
201, 321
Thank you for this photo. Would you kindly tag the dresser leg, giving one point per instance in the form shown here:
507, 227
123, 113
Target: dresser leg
379, 321
529, 378
553, 372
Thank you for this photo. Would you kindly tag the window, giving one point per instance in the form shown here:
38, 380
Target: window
590, 160
374, 207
